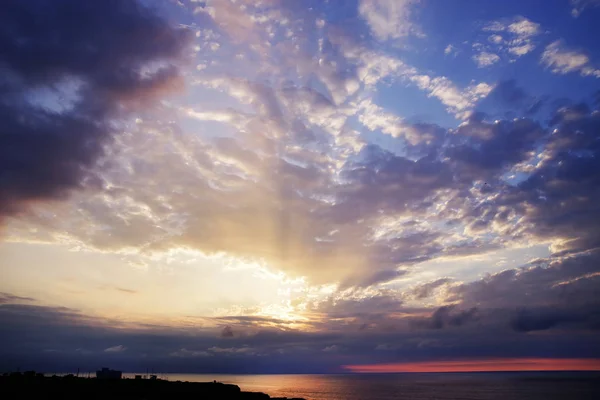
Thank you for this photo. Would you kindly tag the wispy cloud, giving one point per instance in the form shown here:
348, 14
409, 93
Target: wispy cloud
562, 60
115, 349
485, 59
579, 6
514, 37
389, 19
8, 298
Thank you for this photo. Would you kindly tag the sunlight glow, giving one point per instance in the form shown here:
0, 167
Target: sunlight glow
488, 365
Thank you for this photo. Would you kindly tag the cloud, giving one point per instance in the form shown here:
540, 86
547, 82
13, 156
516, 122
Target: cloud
295, 213
508, 93
515, 36
563, 174
485, 59
374, 66
374, 117
448, 316
425, 290
508, 100
8, 298
450, 50
128, 291
334, 348
227, 332
519, 26
562, 60
521, 50
493, 145
232, 350
454, 332
66, 81
540, 296
579, 6
226, 167
388, 19
541, 319
115, 349
459, 102
522, 27
190, 353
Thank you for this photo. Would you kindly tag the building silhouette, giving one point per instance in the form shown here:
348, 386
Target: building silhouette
106, 373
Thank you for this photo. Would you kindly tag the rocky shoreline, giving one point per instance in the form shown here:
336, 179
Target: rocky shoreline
36, 386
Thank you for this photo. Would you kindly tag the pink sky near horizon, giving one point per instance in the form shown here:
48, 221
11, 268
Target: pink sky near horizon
487, 365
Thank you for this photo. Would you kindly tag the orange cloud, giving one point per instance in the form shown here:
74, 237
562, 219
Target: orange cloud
487, 365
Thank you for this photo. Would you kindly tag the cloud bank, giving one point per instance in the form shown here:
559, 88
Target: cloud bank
404, 210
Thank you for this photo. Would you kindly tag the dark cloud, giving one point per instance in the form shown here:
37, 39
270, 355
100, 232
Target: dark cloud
562, 282
558, 200
227, 332
508, 92
570, 112
509, 100
248, 320
596, 98
352, 308
56, 338
426, 289
449, 316
385, 181
70, 71
7, 298
559, 294
527, 320
483, 149
555, 199
375, 277
46, 338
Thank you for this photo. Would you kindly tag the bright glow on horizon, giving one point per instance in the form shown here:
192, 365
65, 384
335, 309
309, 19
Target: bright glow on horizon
488, 365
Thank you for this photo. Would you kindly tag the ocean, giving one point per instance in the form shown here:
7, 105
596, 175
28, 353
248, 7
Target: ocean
416, 386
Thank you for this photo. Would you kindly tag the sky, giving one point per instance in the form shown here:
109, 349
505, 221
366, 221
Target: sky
301, 186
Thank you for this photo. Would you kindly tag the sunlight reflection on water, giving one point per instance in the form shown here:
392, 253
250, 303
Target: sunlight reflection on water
493, 386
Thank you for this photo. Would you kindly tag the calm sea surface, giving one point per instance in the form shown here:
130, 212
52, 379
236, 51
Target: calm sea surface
463, 386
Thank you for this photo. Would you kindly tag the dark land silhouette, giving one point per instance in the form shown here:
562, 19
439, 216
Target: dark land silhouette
31, 385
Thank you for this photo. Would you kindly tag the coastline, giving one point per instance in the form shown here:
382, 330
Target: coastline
32, 385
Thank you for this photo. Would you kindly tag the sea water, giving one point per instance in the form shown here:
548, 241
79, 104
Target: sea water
414, 386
